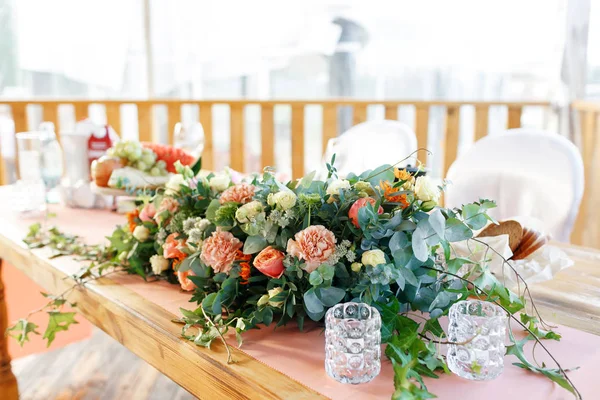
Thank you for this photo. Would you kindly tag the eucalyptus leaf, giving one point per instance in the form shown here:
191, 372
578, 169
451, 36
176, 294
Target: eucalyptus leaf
254, 244
331, 296
312, 302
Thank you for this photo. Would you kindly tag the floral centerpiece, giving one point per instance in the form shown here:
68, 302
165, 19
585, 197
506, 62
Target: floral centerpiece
264, 252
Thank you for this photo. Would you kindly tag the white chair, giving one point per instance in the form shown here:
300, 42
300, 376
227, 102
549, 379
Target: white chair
531, 174
368, 145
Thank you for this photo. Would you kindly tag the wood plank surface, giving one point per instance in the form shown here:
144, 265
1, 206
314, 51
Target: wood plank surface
207, 125
148, 331
481, 121
329, 125
113, 117
451, 137
145, 122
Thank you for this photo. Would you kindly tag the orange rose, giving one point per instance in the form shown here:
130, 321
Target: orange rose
358, 204
131, 217
171, 247
270, 262
185, 282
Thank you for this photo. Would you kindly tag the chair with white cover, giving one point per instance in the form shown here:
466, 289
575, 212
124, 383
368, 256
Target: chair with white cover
368, 145
531, 174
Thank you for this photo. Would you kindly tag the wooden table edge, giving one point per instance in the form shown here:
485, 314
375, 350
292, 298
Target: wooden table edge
146, 329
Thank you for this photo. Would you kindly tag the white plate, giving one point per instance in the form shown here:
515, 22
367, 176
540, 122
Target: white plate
108, 191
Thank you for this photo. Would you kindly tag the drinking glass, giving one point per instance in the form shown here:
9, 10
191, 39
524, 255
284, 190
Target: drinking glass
352, 342
29, 191
478, 329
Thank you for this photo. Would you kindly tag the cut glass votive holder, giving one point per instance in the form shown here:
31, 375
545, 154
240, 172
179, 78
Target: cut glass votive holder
352, 343
478, 329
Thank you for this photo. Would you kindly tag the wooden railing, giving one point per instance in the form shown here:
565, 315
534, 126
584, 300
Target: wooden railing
146, 108
587, 227
447, 115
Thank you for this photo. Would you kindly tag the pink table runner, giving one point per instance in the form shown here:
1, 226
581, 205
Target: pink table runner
301, 355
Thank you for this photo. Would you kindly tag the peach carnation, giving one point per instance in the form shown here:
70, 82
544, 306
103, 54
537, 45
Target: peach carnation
314, 245
185, 282
219, 251
241, 193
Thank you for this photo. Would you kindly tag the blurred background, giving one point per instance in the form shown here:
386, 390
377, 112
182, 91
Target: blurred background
546, 50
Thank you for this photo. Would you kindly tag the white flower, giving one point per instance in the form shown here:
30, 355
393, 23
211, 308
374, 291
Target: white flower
219, 182
141, 233
284, 199
202, 224
272, 293
334, 187
426, 190
373, 257
174, 184
356, 266
264, 299
195, 236
248, 211
159, 264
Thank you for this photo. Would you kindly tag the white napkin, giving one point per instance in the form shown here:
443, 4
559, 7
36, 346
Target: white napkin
539, 266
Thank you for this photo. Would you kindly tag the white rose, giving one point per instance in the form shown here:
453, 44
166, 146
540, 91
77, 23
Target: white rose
174, 184
159, 264
285, 199
248, 211
219, 182
373, 257
141, 233
426, 190
272, 293
335, 186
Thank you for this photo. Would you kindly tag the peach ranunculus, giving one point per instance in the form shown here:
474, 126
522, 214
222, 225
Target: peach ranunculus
171, 247
185, 282
358, 204
314, 245
270, 262
148, 212
241, 193
219, 251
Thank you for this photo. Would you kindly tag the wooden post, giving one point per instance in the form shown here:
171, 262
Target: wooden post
481, 121
298, 141
206, 121
144, 122
329, 124
8, 382
173, 117
451, 139
391, 113
514, 117
267, 141
236, 127
359, 114
19, 115
81, 111
113, 117
421, 129
50, 113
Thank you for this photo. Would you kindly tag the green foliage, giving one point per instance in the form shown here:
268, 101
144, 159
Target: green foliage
21, 330
58, 321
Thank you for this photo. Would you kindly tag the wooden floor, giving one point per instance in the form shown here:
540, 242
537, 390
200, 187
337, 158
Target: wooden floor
97, 368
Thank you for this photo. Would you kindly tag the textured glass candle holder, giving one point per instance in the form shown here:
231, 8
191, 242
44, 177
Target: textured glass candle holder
352, 343
480, 329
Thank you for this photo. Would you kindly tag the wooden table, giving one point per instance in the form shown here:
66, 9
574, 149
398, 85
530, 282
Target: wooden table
572, 299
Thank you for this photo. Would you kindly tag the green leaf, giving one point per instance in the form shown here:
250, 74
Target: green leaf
327, 271
254, 244
267, 316
312, 302
197, 166
315, 278
419, 244
331, 296
438, 222
397, 242
456, 230
211, 210
21, 330
59, 321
